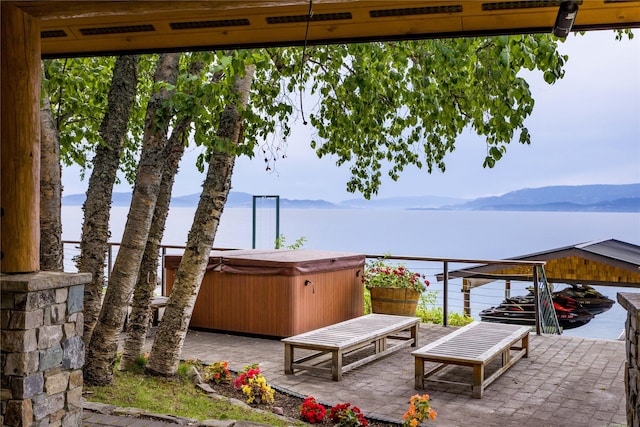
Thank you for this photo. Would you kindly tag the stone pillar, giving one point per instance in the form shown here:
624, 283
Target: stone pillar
631, 302
42, 352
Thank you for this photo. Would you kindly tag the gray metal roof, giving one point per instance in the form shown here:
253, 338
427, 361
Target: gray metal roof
614, 249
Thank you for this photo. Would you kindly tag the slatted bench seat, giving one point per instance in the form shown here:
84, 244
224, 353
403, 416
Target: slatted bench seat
347, 337
475, 345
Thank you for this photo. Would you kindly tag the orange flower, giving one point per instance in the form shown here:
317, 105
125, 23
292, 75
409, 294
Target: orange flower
432, 414
419, 410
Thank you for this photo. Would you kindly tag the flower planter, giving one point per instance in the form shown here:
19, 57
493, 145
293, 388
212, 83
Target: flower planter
399, 301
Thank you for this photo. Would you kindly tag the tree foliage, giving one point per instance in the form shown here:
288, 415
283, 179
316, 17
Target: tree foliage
79, 90
381, 107
387, 106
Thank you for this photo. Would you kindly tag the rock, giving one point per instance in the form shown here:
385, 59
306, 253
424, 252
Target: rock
133, 412
194, 375
218, 423
101, 408
248, 424
205, 387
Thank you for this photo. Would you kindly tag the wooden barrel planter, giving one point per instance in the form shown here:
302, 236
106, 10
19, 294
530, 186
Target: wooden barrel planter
398, 301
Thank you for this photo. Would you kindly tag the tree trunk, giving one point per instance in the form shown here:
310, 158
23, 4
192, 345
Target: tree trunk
167, 345
104, 341
97, 206
51, 248
138, 321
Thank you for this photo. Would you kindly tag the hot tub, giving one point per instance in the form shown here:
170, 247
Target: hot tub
276, 293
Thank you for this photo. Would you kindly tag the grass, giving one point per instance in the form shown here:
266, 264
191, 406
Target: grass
172, 396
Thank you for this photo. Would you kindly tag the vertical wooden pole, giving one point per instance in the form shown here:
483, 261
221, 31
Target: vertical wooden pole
20, 141
466, 304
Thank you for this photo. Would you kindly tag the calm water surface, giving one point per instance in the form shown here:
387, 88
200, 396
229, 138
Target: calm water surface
453, 234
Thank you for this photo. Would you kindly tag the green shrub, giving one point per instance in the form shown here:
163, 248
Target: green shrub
428, 310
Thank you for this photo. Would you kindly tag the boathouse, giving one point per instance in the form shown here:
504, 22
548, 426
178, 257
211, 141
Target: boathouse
605, 263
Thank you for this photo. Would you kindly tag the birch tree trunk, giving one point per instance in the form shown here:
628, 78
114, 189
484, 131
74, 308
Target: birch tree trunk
138, 322
51, 248
139, 317
167, 345
104, 340
97, 206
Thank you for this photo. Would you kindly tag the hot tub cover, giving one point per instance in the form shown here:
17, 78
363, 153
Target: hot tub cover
283, 262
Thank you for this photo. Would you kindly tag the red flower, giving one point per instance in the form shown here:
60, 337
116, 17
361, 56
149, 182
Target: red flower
242, 378
311, 411
347, 416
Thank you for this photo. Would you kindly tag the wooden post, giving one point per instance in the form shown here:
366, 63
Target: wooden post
20, 142
466, 290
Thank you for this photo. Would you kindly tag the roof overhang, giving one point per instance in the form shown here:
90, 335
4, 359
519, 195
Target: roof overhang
71, 28
608, 262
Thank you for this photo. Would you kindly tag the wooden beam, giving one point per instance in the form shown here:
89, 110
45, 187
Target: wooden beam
20, 142
108, 27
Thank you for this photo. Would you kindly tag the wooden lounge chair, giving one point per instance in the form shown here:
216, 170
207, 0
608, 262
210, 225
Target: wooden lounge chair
348, 337
475, 345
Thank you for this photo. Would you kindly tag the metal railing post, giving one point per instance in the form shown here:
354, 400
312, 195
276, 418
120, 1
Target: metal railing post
253, 239
109, 262
536, 298
445, 290
277, 222
163, 280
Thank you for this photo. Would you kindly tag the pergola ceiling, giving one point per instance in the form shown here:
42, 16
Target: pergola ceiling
99, 27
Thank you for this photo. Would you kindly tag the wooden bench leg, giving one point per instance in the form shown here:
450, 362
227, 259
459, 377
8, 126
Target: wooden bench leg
414, 335
288, 359
380, 345
506, 357
336, 365
525, 345
419, 373
478, 381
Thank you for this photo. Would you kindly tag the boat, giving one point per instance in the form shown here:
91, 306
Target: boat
521, 310
588, 297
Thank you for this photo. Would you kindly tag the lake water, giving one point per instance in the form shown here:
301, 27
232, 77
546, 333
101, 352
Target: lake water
425, 233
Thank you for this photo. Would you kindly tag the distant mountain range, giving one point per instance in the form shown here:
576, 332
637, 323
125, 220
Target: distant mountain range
579, 198
590, 198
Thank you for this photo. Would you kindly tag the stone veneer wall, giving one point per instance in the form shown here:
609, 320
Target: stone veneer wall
631, 302
42, 353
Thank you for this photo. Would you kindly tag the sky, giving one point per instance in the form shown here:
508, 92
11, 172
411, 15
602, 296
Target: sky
585, 129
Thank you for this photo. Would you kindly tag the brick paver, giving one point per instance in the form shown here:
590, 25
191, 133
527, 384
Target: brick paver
566, 381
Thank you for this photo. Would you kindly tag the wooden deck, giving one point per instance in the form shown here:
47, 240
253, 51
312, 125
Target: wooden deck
381, 331
474, 345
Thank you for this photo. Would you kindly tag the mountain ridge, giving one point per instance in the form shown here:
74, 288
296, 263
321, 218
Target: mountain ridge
562, 198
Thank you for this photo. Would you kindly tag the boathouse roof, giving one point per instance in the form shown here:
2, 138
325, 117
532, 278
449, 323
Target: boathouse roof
606, 262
